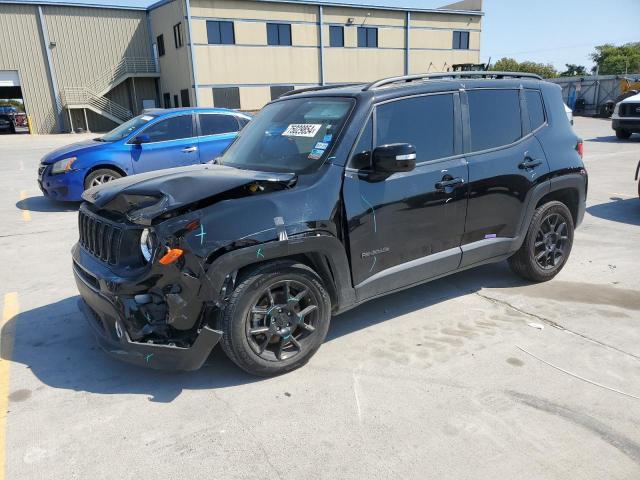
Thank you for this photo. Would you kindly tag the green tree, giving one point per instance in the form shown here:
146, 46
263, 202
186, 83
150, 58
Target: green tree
512, 65
574, 70
614, 60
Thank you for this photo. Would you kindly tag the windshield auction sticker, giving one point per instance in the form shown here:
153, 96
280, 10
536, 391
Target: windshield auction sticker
302, 130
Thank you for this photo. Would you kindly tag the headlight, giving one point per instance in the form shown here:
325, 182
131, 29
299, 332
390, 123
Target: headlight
63, 166
147, 244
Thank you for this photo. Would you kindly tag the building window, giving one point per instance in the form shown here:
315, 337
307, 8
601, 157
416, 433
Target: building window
177, 35
461, 40
175, 101
166, 100
336, 36
160, 44
226, 97
368, 37
220, 33
278, 34
279, 90
184, 97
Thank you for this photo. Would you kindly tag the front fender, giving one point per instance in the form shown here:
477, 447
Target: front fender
329, 247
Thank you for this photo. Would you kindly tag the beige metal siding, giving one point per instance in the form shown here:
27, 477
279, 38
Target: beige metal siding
93, 41
175, 65
246, 9
17, 23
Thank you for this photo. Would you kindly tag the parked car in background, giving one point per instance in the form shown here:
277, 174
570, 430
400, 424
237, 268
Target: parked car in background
155, 140
626, 117
569, 113
7, 124
329, 198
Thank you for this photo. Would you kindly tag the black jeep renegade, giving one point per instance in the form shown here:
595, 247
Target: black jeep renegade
328, 198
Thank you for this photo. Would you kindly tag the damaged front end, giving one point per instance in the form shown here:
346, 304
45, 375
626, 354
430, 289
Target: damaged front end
140, 262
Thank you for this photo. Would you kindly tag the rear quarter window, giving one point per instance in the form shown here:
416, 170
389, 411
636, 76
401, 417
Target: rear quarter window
535, 108
494, 117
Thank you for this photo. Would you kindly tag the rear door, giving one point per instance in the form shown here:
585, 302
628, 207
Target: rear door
407, 227
506, 162
172, 143
216, 132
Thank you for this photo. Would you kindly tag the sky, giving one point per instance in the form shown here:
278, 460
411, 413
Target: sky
547, 31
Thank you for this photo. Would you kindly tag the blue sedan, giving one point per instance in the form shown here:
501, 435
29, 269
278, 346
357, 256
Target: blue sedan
154, 140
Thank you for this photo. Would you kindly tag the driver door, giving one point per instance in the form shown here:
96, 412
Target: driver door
407, 227
169, 142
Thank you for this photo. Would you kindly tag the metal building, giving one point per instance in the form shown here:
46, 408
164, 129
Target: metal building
94, 67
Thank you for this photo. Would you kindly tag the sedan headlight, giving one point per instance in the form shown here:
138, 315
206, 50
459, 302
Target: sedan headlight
63, 166
147, 244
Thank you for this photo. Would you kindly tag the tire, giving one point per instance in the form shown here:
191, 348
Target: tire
541, 258
250, 309
100, 176
623, 134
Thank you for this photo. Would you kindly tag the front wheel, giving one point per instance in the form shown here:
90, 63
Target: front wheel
623, 134
547, 245
276, 319
99, 177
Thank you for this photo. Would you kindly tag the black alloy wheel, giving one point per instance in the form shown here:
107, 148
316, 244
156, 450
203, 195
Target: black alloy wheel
551, 242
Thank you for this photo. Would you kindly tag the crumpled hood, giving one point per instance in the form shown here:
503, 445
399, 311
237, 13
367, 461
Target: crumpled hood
71, 150
177, 187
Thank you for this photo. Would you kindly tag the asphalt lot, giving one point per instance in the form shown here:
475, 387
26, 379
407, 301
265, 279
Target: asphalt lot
447, 380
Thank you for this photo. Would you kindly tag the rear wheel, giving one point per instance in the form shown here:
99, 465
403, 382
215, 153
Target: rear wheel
547, 245
276, 319
623, 134
99, 177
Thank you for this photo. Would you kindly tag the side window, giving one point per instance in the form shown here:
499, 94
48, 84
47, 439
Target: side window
173, 128
226, 97
336, 36
215, 124
160, 45
495, 118
278, 90
426, 122
535, 108
184, 97
362, 153
242, 121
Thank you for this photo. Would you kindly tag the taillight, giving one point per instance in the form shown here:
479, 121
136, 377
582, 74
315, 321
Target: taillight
580, 148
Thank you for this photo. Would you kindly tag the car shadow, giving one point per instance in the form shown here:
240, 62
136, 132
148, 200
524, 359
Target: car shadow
621, 210
613, 139
44, 204
54, 342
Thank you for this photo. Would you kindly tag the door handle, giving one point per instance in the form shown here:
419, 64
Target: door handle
190, 149
448, 182
529, 163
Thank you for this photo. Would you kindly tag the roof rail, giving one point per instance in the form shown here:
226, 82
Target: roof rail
318, 87
449, 75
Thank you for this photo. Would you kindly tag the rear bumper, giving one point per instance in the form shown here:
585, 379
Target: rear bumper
108, 325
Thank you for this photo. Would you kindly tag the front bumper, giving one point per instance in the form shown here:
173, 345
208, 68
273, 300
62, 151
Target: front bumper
108, 325
64, 187
628, 124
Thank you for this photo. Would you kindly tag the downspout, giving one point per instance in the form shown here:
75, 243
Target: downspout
55, 93
321, 21
194, 73
406, 45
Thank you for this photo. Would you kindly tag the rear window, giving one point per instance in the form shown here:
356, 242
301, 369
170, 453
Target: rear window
424, 122
535, 108
495, 118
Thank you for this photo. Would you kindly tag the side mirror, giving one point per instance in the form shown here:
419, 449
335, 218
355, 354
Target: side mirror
397, 157
140, 139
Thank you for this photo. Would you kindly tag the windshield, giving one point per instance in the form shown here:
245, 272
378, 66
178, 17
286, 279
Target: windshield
289, 136
126, 128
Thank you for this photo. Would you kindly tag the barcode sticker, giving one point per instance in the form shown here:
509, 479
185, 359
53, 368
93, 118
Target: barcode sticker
302, 130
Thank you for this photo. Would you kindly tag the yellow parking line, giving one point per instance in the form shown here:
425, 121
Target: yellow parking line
11, 309
26, 215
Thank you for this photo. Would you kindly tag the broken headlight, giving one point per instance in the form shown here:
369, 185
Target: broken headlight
147, 244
